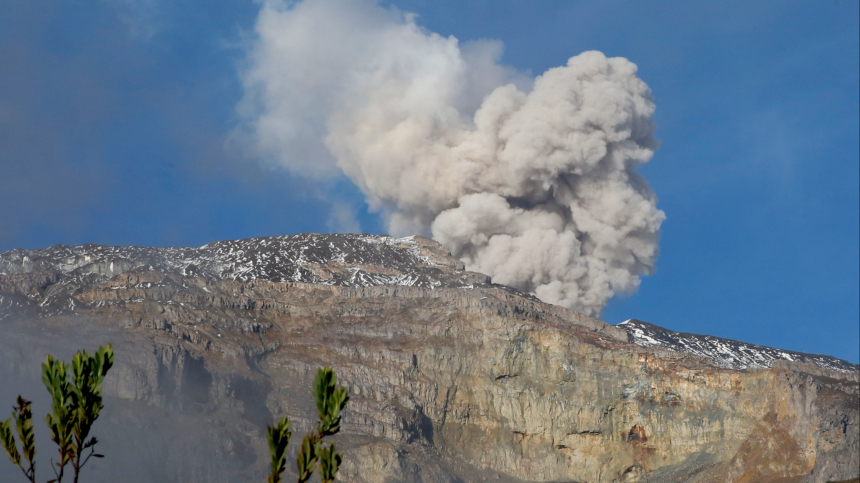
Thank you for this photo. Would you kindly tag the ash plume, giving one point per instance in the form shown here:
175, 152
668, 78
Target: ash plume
531, 181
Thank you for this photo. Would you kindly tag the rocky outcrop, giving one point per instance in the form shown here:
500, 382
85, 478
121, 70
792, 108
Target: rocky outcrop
728, 353
451, 378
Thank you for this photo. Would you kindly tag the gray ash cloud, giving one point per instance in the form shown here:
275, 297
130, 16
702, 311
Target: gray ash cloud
530, 180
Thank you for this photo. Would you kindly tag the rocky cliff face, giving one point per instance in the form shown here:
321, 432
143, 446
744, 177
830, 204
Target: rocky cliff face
731, 354
452, 378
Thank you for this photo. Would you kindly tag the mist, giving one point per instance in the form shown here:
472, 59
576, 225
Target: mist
530, 180
166, 417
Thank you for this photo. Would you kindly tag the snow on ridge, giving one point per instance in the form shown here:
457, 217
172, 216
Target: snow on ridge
340, 259
727, 353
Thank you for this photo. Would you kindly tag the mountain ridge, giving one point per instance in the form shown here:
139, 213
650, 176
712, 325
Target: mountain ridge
452, 378
351, 261
724, 352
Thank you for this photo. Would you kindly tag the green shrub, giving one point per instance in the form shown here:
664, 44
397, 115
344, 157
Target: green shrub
77, 402
75, 405
24, 427
314, 453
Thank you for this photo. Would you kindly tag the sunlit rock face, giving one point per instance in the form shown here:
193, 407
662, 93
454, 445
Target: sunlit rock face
451, 377
731, 354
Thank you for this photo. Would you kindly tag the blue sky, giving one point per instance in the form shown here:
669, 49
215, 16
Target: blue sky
115, 118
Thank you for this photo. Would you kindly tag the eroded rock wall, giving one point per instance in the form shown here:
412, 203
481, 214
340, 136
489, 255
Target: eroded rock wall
447, 384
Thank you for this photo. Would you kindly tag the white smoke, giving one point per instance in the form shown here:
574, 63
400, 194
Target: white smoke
529, 181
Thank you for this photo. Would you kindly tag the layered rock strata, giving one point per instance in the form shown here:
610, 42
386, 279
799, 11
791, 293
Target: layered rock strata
728, 353
451, 378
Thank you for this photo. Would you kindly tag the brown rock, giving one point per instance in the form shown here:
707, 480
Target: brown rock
446, 383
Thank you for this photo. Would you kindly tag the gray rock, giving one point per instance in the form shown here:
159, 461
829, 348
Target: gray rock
451, 377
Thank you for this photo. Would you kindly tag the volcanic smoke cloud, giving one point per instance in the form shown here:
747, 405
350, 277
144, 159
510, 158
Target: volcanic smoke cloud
528, 180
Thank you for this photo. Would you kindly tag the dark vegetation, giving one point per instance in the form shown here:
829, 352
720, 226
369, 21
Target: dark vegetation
75, 405
77, 402
314, 452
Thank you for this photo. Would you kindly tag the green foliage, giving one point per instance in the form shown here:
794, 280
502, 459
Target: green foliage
75, 405
24, 427
307, 458
330, 401
329, 462
279, 437
77, 402
313, 452
59, 420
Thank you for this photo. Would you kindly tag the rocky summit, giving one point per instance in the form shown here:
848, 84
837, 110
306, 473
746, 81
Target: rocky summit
451, 377
727, 353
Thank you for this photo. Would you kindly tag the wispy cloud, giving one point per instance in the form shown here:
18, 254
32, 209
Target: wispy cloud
342, 219
140, 17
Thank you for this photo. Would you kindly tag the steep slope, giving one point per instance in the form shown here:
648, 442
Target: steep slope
351, 261
728, 353
452, 378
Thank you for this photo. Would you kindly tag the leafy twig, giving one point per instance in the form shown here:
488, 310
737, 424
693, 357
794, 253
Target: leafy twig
313, 453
